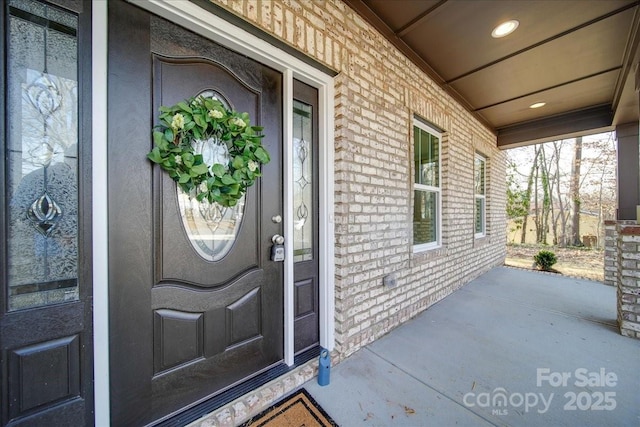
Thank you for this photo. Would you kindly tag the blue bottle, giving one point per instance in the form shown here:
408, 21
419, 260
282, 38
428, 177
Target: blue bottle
324, 367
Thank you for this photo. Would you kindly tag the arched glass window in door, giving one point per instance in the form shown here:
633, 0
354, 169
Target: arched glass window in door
211, 228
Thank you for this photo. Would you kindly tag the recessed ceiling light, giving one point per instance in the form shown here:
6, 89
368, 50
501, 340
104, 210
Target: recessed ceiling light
538, 105
505, 29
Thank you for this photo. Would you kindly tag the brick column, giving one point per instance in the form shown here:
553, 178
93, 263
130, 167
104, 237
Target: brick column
629, 279
611, 253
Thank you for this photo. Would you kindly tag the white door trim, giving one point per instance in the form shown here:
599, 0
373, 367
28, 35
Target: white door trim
287, 176
214, 28
99, 213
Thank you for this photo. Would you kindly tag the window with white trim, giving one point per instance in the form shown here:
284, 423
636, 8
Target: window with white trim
426, 188
480, 166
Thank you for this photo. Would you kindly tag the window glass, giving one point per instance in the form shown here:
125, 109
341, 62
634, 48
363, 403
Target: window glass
425, 217
41, 155
211, 228
426, 207
303, 209
427, 158
479, 175
479, 216
480, 200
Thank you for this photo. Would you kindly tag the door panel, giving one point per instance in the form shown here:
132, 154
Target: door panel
44, 373
45, 215
184, 328
178, 263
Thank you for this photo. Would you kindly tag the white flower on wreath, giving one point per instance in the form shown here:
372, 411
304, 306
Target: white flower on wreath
238, 122
203, 187
178, 122
178, 159
252, 166
216, 114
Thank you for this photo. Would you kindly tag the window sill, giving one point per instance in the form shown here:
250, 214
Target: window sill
428, 253
480, 241
425, 247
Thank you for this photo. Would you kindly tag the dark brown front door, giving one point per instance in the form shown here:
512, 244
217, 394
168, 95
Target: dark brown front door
45, 214
196, 304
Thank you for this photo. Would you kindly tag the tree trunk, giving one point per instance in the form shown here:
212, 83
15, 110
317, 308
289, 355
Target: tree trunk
536, 208
562, 241
546, 196
600, 242
551, 178
575, 193
523, 236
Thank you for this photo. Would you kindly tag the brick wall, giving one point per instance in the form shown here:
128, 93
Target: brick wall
628, 279
377, 93
611, 228
622, 269
611, 253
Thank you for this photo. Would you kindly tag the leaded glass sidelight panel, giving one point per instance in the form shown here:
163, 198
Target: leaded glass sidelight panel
303, 208
41, 155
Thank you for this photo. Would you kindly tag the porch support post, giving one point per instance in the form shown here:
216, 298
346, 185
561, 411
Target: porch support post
628, 170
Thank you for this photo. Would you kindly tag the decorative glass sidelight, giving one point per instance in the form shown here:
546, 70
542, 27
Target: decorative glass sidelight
41, 155
211, 228
302, 182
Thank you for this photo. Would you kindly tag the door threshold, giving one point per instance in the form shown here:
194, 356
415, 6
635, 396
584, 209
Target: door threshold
200, 410
306, 355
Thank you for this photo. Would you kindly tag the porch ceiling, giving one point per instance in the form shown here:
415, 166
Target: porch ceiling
580, 57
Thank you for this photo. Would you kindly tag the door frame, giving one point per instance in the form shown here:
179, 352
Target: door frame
215, 28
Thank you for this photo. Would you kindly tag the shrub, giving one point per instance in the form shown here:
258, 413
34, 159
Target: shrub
545, 259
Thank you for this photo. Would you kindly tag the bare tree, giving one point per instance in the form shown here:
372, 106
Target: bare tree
528, 196
597, 191
575, 192
562, 240
550, 177
517, 199
547, 195
562, 181
537, 219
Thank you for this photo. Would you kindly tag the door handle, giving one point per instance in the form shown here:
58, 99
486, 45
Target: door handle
277, 239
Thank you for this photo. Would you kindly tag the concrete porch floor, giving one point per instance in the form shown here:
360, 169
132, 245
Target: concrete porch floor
546, 344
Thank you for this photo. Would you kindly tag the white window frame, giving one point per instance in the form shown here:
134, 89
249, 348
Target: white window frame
428, 188
478, 196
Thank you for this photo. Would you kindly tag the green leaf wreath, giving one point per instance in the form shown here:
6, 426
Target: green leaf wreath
197, 120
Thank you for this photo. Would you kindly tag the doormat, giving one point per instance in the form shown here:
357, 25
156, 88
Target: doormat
296, 410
